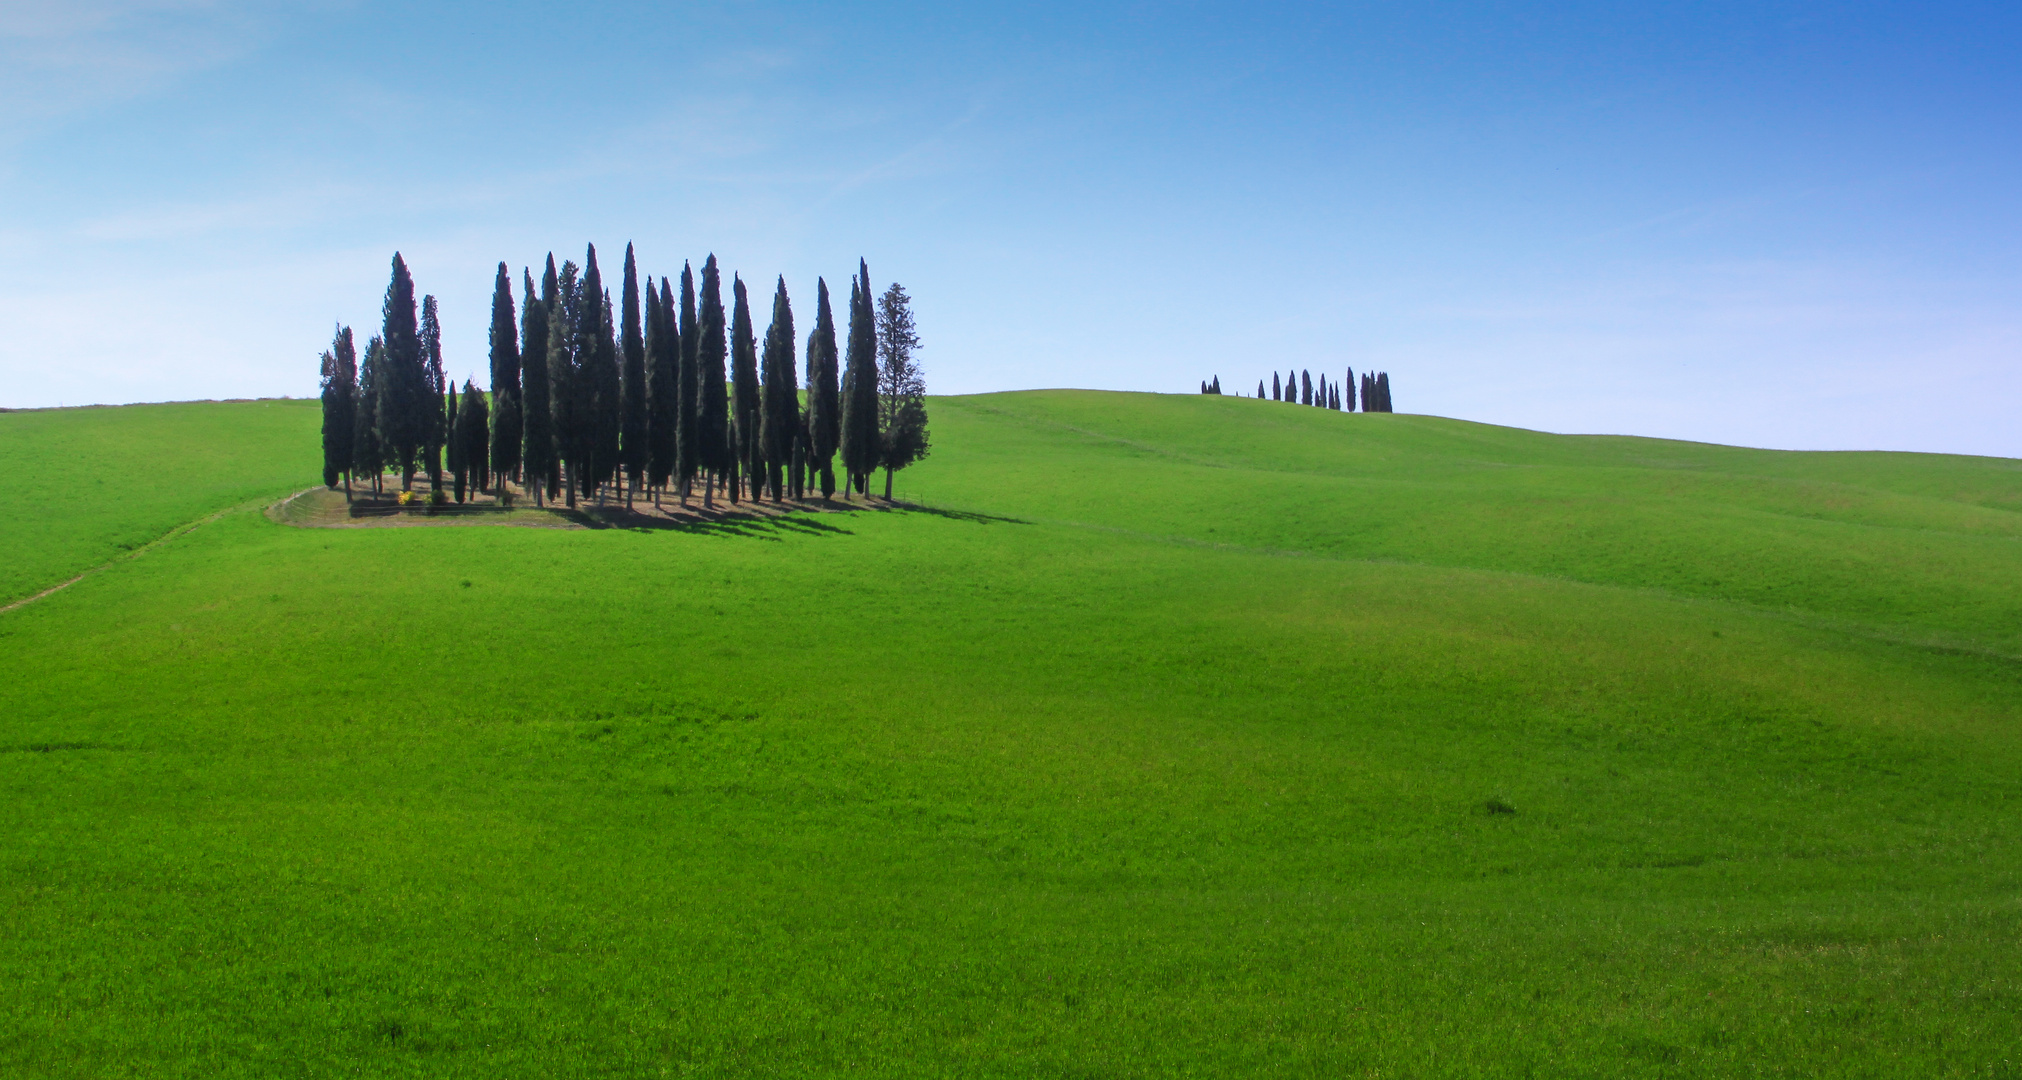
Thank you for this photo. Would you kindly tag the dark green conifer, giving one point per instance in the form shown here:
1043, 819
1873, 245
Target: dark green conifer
744, 388
781, 403
537, 430
504, 452
861, 452
687, 459
438, 384
569, 396
340, 409
713, 400
454, 444
633, 440
661, 373
1348, 392
824, 393
405, 404
476, 457
604, 381
902, 388
368, 452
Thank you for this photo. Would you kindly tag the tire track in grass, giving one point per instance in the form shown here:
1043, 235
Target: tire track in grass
136, 553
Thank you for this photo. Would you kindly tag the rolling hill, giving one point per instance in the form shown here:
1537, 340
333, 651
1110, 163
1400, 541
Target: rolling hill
1164, 735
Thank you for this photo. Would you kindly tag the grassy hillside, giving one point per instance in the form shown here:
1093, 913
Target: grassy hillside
1200, 736
80, 486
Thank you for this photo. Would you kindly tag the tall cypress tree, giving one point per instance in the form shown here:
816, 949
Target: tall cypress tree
824, 394
744, 386
568, 374
1274, 386
405, 404
537, 429
454, 444
687, 452
340, 409
504, 451
860, 450
438, 384
662, 351
368, 453
610, 392
475, 458
1348, 391
713, 402
781, 405
1305, 388
632, 344
902, 388
1383, 390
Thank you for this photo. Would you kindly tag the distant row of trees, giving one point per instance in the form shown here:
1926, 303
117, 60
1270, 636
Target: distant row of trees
581, 402
1302, 388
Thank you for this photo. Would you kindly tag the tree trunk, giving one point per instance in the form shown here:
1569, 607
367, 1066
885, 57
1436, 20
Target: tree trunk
888, 484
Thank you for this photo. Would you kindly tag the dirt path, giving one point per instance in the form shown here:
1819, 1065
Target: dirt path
134, 554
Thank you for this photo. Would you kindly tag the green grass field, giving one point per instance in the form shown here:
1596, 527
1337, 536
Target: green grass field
1180, 736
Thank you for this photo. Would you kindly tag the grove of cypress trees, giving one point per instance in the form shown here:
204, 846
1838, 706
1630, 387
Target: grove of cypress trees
824, 421
712, 425
860, 448
475, 418
781, 402
504, 451
340, 409
633, 439
404, 403
537, 430
438, 383
661, 402
368, 453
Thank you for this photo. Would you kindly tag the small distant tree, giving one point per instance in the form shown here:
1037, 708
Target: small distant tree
1348, 391
1383, 390
340, 409
1275, 395
902, 387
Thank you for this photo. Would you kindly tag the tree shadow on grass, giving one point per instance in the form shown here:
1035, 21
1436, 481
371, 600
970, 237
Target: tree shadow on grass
774, 523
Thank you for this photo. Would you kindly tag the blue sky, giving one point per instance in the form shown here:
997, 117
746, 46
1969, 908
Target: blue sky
1773, 224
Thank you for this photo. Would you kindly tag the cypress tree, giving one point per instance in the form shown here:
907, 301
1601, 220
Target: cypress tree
454, 444
824, 419
404, 402
340, 409
438, 384
661, 364
1274, 386
1306, 390
902, 390
476, 457
744, 386
860, 449
504, 451
632, 346
1383, 390
536, 411
689, 446
368, 454
1260, 389
713, 421
1348, 391
1368, 392
568, 396
780, 406
605, 382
